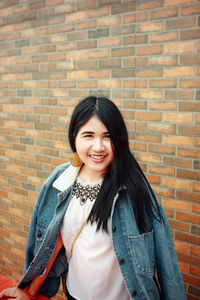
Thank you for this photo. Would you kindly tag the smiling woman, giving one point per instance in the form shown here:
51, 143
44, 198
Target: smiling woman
115, 233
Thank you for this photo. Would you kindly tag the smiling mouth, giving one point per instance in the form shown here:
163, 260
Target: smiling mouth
97, 158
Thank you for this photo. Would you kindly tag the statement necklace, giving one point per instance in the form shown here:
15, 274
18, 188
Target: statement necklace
84, 191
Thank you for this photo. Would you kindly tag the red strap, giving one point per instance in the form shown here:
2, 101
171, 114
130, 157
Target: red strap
37, 282
37, 297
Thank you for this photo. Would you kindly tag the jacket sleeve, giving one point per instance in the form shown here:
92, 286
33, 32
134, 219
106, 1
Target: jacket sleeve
168, 271
29, 254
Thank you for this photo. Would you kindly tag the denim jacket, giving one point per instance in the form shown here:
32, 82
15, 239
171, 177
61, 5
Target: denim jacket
139, 256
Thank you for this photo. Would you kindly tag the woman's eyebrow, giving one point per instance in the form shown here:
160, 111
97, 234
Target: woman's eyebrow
87, 132
92, 132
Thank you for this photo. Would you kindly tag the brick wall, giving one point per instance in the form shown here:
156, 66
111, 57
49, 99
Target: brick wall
144, 55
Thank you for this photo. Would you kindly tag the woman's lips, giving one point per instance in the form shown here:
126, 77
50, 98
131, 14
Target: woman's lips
97, 158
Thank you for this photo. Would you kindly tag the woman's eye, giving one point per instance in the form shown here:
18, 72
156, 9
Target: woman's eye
88, 136
107, 136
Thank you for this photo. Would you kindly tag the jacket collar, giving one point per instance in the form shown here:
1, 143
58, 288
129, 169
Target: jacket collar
66, 179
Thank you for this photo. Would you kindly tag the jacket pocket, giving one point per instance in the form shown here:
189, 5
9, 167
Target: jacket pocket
143, 253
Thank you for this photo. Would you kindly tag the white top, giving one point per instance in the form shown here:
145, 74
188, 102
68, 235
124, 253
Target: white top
93, 270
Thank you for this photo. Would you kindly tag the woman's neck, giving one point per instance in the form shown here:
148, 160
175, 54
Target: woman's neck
90, 176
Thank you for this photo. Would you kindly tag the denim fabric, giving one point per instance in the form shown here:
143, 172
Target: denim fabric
139, 255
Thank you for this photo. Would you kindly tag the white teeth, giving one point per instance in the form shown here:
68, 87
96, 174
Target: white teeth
97, 157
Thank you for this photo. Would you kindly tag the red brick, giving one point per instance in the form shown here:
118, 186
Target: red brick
109, 42
191, 279
153, 179
163, 128
162, 105
188, 174
87, 4
145, 157
180, 23
189, 83
177, 162
54, 2
184, 47
178, 2
149, 50
98, 53
149, 26
197, 119
149, 94
180, 226
57, 38
178, 118
197, 142
56, 57
195, 251
179, 72
181, 247
109, 21
37, 5
188, 218
177, 184
148, 116
187, 196
76, 16
162, 83
121, 7
189, 130
190, 34
99, 74
100, 12
162, 170
149, 5
163, 37
87, 24
164, 13
87, 84
175, 204
110, 83
64, 9
77, 75
131, 83
189, 106
194, 271
148, 72
196, 209
194, 240
196, 187
121, 52
147, 137
183, 268
178, 140
190, 10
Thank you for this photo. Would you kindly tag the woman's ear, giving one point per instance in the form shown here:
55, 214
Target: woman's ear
76, 161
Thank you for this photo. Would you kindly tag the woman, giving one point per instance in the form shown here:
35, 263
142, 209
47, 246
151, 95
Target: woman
117, 241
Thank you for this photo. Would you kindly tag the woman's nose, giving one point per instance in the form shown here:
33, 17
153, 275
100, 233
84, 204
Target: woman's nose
98, 145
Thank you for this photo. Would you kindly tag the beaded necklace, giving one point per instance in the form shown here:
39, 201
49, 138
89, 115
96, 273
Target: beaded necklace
84, 191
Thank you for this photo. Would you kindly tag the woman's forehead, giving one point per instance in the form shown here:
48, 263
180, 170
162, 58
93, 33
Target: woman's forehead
94, 124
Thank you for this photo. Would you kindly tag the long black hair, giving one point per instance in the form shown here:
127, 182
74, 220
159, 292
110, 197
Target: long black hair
124, 170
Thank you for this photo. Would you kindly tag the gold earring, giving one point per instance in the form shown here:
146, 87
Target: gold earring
76, 161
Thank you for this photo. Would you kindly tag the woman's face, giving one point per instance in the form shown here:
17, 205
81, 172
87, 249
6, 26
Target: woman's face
94, 148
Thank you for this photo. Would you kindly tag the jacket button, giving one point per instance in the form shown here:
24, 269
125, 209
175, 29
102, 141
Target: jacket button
39, 234
122, 261
134, 293
114, 229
